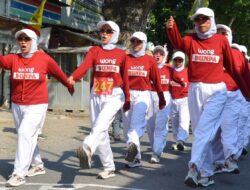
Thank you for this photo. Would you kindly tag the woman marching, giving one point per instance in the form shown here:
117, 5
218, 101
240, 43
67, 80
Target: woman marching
29, 96
108, 94
225, 143
142, 69
208, 52
179, 90
158, 123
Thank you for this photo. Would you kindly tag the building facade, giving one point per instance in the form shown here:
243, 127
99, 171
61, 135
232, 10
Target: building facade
68, 31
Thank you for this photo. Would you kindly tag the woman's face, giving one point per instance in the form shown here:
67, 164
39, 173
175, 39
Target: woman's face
136, 44
178, 62
203, 23
223, 32
158, 56
24, 43
106, 33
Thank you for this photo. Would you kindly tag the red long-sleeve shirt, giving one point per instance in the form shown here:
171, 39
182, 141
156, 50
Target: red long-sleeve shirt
165, 77
141, 71
239, 61
207, 58
28, 77
177, 90
106, 63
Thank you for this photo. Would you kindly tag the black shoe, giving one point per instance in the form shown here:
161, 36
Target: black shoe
244, 152
132, 152
180, 146
84, 158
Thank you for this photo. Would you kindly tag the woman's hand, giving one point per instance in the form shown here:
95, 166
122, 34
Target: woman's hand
71, 80
126, 106
170, 22
71, 90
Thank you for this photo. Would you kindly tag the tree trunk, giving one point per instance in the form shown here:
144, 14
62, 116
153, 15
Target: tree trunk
130, 15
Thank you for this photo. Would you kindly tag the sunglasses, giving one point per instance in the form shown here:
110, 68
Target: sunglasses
178, 60
201, 18
26, 39
134, 40
107, 31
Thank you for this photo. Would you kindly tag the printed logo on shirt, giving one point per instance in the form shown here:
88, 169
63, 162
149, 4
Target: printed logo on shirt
30, 76
108, 61
164, 79
173, 83
26, 70
107, 68
138, 73
205, 58
206, 51
137, 67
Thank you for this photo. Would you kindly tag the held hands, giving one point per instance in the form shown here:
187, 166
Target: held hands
162, 101
71, 80
126, 106
71, 90
170, 22
183, 84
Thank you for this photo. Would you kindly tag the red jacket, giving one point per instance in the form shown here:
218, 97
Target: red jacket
179, 84
106, 63
142, 71
165, 77
207, 58
28, 77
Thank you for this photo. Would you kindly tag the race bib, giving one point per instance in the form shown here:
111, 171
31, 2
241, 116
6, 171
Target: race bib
103, 85
164, 81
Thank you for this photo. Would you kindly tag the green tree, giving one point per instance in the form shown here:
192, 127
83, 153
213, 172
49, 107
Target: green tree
234, 13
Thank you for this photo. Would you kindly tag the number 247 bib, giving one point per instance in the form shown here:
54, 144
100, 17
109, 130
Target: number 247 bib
103, 85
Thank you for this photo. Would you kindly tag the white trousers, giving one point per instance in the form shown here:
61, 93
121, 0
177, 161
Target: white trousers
243, 127
103, 109
229, 128
157, 126
180, 119
135, 120
206, 103
29, 120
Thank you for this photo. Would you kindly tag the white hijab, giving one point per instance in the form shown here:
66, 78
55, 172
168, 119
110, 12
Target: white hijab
180, 55
210, 32
140, 36
164, 50
32, 35
115, 36
228, 31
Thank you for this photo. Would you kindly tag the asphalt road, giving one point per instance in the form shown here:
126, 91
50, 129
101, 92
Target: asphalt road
65, 132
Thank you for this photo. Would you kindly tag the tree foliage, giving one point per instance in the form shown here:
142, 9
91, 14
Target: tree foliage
234, 13
134, 15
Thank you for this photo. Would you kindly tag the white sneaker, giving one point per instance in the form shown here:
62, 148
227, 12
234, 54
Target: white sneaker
192, 178
106, 174
84, 158
15, 181
174, 146
155, 159
205, 181
36, 170
231, 166
134, 164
